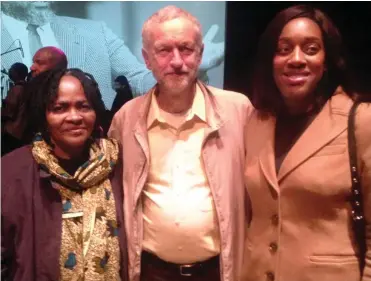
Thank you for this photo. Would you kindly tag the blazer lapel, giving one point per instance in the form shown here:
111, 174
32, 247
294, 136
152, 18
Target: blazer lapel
266, 157
70, 41
324, 128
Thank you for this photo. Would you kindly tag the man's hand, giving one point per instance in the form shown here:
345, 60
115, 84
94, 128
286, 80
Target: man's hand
213, 52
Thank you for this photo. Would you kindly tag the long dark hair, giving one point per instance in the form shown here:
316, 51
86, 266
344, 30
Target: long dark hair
42, 91
265, 95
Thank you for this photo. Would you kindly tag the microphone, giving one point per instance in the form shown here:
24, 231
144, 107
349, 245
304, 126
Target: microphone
21, 48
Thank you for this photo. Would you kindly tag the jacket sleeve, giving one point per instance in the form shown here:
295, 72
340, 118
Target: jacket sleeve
7, 233
115, 128
123, 62
249, 110
12, 102
363, 139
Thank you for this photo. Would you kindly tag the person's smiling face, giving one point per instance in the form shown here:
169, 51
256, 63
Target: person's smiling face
299, 62
70, 118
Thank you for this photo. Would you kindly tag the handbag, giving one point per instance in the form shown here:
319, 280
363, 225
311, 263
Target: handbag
358, 219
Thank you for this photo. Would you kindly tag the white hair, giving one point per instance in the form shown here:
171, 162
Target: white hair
25, 11
165, 14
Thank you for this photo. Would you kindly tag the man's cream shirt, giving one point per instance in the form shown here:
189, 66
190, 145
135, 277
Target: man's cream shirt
180, 223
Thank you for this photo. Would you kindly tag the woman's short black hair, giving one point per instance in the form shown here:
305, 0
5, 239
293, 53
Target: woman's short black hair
42, 91
265, 94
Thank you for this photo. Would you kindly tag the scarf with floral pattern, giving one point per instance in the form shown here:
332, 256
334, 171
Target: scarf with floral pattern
90, 247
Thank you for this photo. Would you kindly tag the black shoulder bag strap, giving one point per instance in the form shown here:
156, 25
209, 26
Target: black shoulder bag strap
356, 201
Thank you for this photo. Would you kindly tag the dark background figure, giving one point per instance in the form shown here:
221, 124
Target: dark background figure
15, 114
48, 58
123, 93
13, 107
18, 72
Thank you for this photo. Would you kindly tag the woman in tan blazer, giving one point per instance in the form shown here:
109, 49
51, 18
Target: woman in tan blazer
297, 167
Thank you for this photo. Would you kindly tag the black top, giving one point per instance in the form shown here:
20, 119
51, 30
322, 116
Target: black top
288, 130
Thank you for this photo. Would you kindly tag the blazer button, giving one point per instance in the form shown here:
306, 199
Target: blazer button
274, 219
273, 247
270, 276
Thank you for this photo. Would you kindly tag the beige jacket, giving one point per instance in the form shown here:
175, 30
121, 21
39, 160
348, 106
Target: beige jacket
223, 156
301, 225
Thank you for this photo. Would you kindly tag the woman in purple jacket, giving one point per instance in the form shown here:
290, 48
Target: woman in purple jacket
61, 208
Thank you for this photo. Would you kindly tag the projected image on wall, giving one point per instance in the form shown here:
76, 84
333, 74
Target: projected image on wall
102, 38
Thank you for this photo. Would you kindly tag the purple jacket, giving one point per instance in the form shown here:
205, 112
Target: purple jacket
31, 220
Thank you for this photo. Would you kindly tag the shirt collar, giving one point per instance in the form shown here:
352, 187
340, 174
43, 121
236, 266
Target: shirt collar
198, 108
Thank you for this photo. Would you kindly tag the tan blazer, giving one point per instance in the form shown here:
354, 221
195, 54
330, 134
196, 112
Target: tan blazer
301, 224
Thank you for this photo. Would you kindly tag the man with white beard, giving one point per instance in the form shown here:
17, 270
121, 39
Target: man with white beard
88, 44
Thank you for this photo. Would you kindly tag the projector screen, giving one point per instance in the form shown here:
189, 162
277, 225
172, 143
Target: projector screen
104, 38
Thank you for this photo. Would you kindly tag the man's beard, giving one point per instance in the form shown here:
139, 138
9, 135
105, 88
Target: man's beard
27, 14
177, 85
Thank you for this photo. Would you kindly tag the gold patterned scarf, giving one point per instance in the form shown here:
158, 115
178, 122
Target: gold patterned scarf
90, 247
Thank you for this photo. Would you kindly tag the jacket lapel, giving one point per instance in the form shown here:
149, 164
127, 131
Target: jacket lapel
70, 41
266, 158
141, 136
47, 208
214, 113
325, 127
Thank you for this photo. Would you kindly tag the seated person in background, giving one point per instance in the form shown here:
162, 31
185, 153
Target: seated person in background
61, 211
14, 105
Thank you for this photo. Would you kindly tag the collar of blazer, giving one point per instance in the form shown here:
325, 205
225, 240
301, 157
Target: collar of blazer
330, 122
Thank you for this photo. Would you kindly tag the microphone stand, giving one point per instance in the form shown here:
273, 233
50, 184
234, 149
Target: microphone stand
2, 76
10, 51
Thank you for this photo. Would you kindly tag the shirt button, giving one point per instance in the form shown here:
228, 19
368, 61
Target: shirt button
274, 219
273, 247
270, 276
